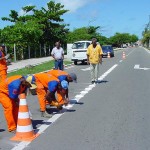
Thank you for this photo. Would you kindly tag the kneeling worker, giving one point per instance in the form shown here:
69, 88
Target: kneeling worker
62, 75
46, 86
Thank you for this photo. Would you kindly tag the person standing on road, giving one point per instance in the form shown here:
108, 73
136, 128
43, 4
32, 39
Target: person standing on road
3, 64
94, 58
46, 86
58, 55
10, 89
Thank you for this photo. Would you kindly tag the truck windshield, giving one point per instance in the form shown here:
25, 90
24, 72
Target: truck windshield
79, 45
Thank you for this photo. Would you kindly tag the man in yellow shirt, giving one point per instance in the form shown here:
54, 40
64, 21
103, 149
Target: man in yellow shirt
94, 58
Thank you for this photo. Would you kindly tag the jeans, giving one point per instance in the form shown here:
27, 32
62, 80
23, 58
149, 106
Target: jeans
59, 64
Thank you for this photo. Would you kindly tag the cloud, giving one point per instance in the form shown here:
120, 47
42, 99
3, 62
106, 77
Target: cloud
73, 5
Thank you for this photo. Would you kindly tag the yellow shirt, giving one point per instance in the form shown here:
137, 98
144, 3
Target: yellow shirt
94, 53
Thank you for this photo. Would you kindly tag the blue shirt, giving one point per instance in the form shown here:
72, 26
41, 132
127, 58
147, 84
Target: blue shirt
14, 88
52, 86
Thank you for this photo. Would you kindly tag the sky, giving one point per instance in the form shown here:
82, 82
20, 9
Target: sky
123, 16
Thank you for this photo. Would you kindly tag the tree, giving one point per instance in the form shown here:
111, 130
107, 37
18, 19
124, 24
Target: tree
43, 26
122, 38
146, 36
53, 28
84, 33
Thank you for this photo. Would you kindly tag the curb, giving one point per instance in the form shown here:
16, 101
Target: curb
28, 65
53, 68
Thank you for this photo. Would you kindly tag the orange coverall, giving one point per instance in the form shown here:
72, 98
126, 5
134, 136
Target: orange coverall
3, 67
61, 75
45, 82
9, 90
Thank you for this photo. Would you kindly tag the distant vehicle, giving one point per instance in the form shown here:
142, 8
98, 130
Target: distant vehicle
79, 49
107, 49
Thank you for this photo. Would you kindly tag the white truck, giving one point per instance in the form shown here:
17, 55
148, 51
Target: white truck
79, 49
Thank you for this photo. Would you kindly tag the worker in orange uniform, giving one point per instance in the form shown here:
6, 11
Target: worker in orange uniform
10, 89
62, 75
46, 85
3, 64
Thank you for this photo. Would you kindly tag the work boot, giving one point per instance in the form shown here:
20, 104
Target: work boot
45, 114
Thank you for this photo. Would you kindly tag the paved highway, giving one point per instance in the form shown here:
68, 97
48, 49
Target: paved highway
111, 115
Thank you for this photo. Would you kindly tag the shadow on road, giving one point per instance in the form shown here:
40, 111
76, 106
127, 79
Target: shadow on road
101, 81
2, 130
74, 101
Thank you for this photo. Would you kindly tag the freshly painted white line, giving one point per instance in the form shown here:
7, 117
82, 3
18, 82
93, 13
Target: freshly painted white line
107, 72
88, 89
79, 96
68, 106
92, 85
43, 127
84, 92
21, 146
120, 60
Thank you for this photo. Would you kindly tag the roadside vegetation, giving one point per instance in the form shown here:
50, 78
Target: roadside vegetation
36, 69
34, 34
146, 36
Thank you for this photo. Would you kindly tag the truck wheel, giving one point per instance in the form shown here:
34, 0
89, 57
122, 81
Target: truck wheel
75, 62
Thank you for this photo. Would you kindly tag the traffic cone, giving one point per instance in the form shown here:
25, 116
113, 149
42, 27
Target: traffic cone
123, 55
108, 55
24, 130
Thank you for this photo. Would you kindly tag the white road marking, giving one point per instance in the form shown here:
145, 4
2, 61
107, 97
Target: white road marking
107, 72
43, 127
146, 50
86, 69
138, 67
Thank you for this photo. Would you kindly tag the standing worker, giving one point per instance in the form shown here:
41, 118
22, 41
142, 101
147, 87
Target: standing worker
58, 55
94, 58
46, 86
10, 89
3, 63
62, 75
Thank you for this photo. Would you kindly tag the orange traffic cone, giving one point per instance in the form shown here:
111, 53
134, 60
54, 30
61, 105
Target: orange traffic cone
123, 55
24, 130
108, 55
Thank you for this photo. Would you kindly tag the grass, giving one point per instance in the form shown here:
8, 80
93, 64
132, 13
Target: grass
35, 69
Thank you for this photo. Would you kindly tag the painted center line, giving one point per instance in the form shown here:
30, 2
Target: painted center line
43, 127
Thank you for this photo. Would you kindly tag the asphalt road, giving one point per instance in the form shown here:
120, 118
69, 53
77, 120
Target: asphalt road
111, 115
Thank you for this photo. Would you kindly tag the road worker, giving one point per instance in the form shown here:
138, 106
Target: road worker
46, 86
62, 75
10, 89
3, 64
